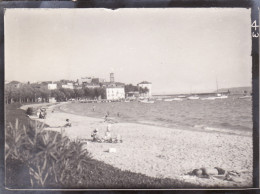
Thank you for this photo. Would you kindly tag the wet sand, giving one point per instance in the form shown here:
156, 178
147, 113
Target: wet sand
162, 152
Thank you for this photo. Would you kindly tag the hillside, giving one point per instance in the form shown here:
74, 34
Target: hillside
236, 90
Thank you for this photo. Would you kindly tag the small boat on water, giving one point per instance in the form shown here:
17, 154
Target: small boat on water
173, 99
168, 100
209, 98
218, 96
221, 96
245, 97
178, 99
181, 96
148, 101
193, 97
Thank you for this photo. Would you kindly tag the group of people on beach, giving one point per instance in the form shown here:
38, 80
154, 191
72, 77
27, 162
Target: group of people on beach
42, 113
96, 137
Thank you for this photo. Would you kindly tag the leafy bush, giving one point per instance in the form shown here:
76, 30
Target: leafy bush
29, 111
63, 172
50, 156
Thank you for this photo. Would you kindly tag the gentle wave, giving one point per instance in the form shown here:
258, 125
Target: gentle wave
227, 115
223, 130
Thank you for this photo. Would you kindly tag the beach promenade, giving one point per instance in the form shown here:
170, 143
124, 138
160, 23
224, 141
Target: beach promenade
159, 151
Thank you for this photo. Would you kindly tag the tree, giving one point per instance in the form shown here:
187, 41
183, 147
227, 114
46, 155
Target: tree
143, 90
79, 93
58, 95
45, 94
131, 88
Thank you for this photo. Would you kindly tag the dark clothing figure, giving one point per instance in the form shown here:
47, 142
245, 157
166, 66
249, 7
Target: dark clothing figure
68, 124
217, 173
42, 115
95, 135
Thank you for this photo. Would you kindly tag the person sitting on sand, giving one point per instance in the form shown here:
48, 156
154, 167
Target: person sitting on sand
108, 134
216, 173
106, 117
68, 124
118, 139
95, 135
42, 115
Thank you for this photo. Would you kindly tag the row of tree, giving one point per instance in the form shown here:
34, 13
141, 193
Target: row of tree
31, 93
132, 88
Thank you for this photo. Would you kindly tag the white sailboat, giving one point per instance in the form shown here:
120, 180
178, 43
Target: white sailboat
193, 97
219, 95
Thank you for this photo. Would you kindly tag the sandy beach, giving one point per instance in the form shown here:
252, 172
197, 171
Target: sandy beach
159, 151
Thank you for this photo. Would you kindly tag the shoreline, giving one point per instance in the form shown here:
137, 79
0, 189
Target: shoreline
197, 128
160, 151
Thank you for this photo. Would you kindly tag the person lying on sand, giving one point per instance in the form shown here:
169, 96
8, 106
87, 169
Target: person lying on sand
216, 173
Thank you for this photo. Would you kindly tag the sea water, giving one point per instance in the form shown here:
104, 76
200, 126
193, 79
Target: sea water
231, 115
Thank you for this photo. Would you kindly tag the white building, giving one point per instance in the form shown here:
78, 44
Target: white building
68, 86
115, 93
91, 85
52, 100
147, 85
52, 86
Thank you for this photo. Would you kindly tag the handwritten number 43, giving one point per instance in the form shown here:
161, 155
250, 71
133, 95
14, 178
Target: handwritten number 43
255, 26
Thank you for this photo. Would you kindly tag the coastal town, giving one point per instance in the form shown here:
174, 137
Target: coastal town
93, 89
84, 89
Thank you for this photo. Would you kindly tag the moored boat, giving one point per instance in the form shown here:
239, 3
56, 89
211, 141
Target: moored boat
221, 96
148, 101
209, 98
245, 97
178, 99
193, 97
168, 100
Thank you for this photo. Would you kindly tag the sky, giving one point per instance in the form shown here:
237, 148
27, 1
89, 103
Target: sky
179, 50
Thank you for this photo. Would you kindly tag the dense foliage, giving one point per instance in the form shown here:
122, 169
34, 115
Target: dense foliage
51, 158
31, 93
37, 158
132, 88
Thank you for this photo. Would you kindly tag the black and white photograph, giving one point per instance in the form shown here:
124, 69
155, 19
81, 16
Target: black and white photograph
128, 98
